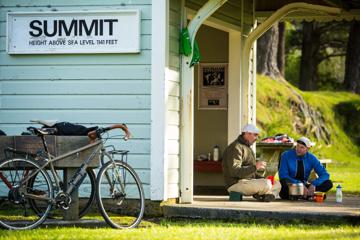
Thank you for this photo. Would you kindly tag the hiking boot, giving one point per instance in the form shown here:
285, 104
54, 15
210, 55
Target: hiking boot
268, 197
264, 198
257, 197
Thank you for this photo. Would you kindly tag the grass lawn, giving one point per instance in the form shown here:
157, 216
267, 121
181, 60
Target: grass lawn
197, 229
347, 177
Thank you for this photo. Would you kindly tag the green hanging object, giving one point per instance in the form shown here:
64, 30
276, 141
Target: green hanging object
185, 43
196, 55
186, 49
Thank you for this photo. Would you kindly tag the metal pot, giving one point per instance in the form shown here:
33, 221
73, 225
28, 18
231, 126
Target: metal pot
296, 189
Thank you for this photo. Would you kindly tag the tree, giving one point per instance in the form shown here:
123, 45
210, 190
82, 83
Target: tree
352, 63
309, 56
267, 53
281, 49
321, 43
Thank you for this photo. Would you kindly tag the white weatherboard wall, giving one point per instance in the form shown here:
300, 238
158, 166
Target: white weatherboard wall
173, 101
159, 46
89, 89
165, 115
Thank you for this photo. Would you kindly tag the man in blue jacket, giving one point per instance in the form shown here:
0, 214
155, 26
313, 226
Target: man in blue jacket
295, 167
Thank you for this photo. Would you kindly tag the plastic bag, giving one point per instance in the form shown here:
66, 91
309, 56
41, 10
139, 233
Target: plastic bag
185, 43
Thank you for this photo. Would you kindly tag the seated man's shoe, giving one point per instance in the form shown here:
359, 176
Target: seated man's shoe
264, 198
258, 197
268, 197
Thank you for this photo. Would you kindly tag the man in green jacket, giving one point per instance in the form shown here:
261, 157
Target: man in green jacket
241, 170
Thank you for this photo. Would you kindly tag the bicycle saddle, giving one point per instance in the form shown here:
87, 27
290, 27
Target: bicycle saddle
42, 131
47, 123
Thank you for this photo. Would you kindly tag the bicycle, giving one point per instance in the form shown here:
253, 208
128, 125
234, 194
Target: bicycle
86, 200
119, 192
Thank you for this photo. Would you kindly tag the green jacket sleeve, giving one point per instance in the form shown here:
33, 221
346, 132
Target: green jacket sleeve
239, 167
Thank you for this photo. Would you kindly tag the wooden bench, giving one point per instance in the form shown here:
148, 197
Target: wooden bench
207, 166
208, 178
325, 162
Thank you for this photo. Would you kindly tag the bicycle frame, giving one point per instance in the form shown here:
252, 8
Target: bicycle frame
76, 178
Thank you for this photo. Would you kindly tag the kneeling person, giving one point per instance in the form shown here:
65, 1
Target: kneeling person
240, 168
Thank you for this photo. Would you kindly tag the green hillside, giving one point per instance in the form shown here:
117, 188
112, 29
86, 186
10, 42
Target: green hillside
334, 124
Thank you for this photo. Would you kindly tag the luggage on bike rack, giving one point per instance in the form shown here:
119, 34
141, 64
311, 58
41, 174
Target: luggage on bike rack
65, 128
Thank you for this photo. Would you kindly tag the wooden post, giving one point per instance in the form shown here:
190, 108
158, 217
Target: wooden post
72, 213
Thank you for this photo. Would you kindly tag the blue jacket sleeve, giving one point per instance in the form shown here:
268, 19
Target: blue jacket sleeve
320, 171
284, 171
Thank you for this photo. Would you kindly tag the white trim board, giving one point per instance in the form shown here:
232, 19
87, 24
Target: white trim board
159, 63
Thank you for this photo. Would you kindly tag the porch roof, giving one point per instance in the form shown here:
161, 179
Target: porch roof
230, 12
264, 5
351, 10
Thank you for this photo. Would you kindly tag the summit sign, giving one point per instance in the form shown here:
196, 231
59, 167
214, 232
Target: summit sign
73, 32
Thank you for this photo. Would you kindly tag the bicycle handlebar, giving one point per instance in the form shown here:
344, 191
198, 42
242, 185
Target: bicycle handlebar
98, 132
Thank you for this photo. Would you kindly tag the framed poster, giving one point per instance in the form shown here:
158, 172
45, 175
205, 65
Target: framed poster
213, 81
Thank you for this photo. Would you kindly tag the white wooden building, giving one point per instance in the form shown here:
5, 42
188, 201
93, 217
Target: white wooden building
137, 74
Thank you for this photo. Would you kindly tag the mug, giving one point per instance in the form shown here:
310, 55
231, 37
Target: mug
319, 197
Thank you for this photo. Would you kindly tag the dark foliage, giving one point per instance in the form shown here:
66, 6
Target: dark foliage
349, 115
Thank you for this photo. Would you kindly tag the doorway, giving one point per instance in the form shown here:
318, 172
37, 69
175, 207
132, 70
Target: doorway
210, 111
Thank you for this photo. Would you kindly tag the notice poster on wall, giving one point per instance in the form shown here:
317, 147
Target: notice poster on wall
213, 81
73, 32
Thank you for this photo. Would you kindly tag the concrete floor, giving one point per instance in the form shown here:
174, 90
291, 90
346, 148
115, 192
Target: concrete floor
219, 207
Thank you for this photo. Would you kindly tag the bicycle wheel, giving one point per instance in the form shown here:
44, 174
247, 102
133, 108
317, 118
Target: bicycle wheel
16, 193
86, 196
120, 196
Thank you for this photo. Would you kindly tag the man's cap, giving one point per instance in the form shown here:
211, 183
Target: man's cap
305, 141
250, 128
